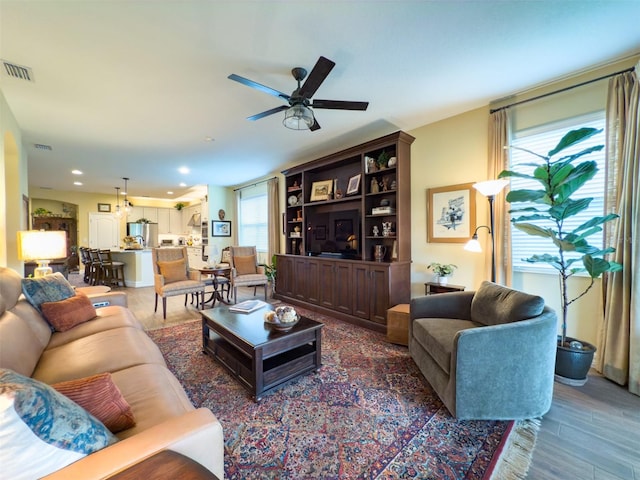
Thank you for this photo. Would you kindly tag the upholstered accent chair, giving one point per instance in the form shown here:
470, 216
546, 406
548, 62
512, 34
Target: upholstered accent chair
245, 271
489, 354
173, 277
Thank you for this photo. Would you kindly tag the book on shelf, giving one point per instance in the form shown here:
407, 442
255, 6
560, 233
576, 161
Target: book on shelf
247, 306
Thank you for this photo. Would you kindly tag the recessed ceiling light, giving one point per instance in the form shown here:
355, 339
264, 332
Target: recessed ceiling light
77, 183
76, 172
208, 139
183, 170
182, 184
169, 193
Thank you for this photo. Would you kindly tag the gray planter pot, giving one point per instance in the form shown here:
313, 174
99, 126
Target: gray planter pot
572, 364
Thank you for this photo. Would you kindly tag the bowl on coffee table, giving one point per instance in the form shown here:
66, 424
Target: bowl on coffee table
282, 319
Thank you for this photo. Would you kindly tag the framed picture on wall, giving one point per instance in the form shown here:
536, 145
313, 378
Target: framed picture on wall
220, 228
321, 190
451, 213
354, 185
104, 207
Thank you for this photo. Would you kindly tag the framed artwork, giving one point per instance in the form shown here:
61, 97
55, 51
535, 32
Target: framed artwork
220, 228
354, 184
321, 190
104, 207
451, 213
321, 232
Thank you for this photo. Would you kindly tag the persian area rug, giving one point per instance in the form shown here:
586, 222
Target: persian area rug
367, 413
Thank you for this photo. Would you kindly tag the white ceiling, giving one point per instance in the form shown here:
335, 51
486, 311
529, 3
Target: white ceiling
132, 89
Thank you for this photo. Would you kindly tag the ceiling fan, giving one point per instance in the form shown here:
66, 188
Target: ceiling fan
298, 114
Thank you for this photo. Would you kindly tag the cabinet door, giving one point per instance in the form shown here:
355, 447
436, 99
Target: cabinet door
326, 294
360, 284
151, 214
342, 288
284, 275
313, 285
175, 221
163, 220
135, 213
378, 293
299, 279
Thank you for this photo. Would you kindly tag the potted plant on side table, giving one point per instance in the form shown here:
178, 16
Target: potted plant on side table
442, 271
544, 215
270, 272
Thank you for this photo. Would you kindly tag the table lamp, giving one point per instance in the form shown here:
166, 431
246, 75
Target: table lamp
42, 246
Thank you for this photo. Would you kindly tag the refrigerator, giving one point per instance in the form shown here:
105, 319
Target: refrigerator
148, 232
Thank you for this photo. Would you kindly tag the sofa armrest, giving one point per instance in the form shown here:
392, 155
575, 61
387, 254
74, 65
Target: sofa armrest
113, 298
196, 434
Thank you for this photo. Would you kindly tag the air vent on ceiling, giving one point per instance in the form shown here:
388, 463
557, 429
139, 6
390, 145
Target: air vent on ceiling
18, 71
41, 146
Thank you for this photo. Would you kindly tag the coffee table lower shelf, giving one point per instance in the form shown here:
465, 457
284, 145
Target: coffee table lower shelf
266, 366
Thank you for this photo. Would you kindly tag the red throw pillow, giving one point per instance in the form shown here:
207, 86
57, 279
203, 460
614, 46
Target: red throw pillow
99, 396
245, 265
66, 314
173, 271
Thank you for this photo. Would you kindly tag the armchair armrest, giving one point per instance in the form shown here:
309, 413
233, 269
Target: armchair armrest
443, 305
112, 298
196, 434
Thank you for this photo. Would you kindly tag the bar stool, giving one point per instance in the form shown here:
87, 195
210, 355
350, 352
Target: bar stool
113, 272
95, 272
86, 263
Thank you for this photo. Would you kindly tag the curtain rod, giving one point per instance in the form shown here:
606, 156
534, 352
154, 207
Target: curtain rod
571, 87
254, 184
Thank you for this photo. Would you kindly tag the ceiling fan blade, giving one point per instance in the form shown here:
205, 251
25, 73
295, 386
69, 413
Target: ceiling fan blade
258, 86
258, 116
320, 71
315, 126
339, 105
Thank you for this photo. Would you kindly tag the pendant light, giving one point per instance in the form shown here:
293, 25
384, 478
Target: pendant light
118, 211
126, 202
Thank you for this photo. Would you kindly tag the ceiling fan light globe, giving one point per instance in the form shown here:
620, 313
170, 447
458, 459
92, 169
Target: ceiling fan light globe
298, 117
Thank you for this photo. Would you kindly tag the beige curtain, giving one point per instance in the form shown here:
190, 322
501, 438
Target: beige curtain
273, 206
499, 134
619, 340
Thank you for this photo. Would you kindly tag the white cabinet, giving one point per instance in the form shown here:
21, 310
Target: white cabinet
163, 220
151, 214
136, 213
204, 209
175, 221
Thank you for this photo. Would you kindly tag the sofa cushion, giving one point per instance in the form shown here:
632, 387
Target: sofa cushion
107, 351
245, 265
173, 271
66, 314
99, 396
50, 288
437, 336
154, 393
20, 349
494, 304
42, 430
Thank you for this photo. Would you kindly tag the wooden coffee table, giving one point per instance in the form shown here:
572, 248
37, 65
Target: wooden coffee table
258, 356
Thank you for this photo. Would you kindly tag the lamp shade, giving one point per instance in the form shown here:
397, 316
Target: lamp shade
298, 117
41, 245
473, 245
490, 187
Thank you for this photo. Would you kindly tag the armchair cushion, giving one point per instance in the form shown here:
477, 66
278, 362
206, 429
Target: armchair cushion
245, 265
173, 271
494, 305
68, 313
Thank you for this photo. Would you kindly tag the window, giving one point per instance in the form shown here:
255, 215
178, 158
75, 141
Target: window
542, 140
253, 218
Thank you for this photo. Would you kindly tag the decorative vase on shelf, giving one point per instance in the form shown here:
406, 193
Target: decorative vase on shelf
443, 280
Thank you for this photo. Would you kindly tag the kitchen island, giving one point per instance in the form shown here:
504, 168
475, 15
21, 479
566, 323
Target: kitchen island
138, 266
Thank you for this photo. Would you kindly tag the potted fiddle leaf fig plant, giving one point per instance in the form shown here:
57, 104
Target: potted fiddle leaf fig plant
270, 271
544, 215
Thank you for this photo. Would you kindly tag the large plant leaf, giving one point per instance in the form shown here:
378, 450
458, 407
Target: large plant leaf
596, 221
529, 151
571, 138
530, 218
549, 259
597, 266
560, 174
573, 156
526, 196
576, 179
569, 208
509, 173
531, 229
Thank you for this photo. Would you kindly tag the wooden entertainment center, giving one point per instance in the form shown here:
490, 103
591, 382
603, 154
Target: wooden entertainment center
348, 230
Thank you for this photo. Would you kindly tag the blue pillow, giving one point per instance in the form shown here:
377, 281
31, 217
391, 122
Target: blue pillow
50, 288
42, 430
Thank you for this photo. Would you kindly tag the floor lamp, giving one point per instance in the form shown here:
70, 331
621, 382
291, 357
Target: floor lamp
489, 189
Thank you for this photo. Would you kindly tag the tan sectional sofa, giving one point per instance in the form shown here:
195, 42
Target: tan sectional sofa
113, 342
